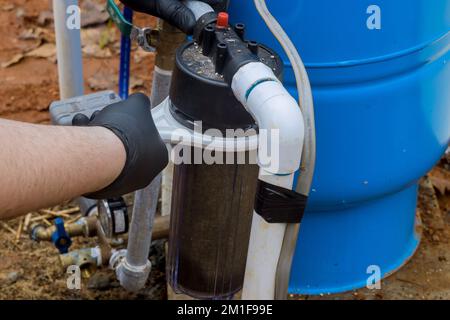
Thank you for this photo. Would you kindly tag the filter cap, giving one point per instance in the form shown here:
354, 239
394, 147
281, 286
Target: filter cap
222, 20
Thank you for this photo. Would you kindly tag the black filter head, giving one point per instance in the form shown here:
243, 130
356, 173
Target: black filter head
200, 89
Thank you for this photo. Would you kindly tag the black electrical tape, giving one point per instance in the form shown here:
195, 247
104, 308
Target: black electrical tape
279, 205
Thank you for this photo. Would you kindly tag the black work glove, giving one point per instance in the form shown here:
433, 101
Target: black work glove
173, 11
131, 120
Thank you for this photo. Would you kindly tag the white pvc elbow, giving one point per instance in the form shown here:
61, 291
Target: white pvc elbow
275, 111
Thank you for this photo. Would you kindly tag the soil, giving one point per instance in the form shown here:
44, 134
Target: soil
30, 270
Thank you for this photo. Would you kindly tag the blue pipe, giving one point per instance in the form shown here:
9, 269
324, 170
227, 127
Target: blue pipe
125, 49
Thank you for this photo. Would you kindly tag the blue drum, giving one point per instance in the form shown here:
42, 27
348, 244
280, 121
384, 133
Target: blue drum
380, 73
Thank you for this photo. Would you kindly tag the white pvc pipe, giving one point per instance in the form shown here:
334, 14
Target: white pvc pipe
305, 96
275, 111
68, 47
266, 241
273, 108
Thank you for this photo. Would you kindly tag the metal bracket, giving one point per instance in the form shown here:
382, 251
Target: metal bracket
146, 38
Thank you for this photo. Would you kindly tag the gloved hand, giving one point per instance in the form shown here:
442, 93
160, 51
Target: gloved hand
173, 11
131, 120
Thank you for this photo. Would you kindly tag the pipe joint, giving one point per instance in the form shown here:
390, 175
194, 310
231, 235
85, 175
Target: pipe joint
278, 117
132, 277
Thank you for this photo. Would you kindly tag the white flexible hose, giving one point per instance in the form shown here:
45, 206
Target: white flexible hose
309, 147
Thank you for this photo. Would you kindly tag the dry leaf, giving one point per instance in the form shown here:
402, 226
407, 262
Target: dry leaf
8, 7
47, 50
37, 34
140, 55
93, 14
90, 36
29, 34
440, 178
97, 36
101, 81
14, 60
136, 82
44, 18
94, 50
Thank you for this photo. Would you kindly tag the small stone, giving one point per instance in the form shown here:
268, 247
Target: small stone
99, 281
9, 278
20, 13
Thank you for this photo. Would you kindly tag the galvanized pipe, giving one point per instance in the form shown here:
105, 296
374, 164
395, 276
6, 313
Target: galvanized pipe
134, 268
85, 227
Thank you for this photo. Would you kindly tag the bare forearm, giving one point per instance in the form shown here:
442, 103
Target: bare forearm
45, 165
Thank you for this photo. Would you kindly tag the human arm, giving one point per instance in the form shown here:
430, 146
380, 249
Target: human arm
43, 165
120, 151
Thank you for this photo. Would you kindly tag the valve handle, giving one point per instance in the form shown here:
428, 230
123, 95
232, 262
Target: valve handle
60, 238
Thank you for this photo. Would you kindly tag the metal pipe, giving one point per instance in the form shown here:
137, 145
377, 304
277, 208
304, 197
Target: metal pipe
86, 227
170, 39
134, 268
141, 225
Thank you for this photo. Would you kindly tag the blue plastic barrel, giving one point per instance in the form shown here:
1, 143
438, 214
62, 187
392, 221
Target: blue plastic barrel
381, 84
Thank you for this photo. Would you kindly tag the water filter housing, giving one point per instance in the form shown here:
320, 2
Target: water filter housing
212, 204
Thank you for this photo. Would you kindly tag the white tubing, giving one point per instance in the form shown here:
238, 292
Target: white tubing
304, 93
68, 46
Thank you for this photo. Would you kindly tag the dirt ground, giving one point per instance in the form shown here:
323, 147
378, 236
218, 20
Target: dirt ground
30, 270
